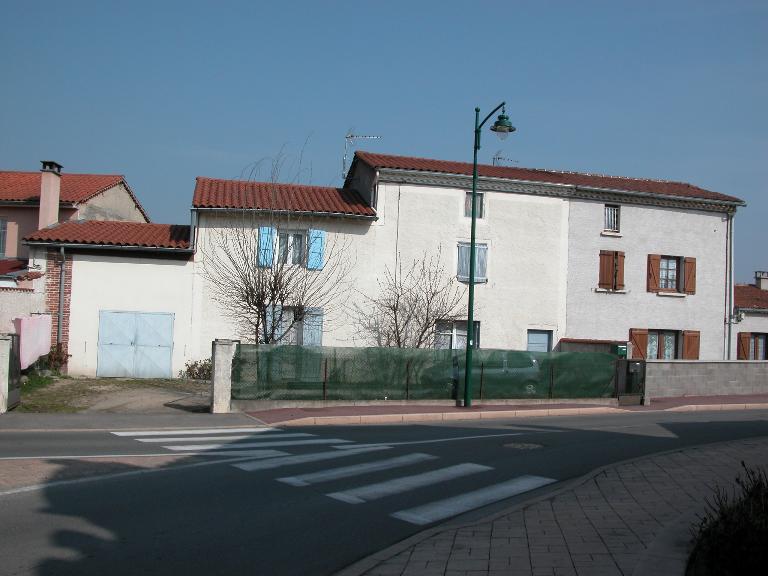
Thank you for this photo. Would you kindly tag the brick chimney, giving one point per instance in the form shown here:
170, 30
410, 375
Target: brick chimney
50, 190
761, 280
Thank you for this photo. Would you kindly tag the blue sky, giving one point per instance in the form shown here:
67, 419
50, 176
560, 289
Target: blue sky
165, 91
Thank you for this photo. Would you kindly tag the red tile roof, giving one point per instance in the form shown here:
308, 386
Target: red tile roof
750, 296
110, 233
661, 187
25, 186
239, 194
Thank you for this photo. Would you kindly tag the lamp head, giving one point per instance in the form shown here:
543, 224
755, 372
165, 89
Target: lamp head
503, 127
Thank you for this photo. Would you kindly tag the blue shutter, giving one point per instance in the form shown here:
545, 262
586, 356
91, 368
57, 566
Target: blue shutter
481, 264
463, 263
266, 246
315, 249
273, 315
313, 327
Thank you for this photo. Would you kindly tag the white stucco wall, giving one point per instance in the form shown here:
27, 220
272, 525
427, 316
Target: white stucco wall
127, 283
647, 230
15, 303
114, 203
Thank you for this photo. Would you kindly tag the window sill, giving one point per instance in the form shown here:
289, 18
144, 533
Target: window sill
671, 294
606, 291
477, 280
611, 233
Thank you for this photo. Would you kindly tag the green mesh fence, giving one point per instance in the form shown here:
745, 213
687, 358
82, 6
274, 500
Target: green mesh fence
325, 373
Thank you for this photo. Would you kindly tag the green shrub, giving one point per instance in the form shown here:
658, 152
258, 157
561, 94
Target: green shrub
197, 370
732, 536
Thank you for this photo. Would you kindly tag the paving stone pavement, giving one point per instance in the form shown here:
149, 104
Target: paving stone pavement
609, 523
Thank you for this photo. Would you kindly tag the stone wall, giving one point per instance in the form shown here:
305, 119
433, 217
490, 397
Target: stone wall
698, 378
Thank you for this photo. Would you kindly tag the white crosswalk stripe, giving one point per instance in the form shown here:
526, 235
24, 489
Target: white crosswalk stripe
214, 438
203, 447
355, 470
406, 483
455, 505
196, 431
303, 459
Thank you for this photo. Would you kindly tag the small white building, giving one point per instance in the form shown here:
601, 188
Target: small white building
751, 319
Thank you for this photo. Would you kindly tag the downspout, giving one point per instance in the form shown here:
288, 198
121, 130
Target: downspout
730, 284
62, 264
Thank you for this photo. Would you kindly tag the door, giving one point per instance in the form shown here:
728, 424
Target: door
539, 340
135, 344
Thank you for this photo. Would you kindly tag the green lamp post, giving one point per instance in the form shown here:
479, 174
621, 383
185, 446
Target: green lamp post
503, 128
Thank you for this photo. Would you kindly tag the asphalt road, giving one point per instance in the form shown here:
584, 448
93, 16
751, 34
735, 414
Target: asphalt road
367, 488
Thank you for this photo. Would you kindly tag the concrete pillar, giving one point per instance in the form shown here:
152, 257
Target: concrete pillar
5, 367
221, 389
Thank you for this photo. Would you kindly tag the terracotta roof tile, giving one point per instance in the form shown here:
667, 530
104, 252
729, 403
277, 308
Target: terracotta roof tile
239, 194
25, 186
660, 187
110, 233
750, 296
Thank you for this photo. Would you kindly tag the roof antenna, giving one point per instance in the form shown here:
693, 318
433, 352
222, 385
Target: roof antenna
349, 141
498, 159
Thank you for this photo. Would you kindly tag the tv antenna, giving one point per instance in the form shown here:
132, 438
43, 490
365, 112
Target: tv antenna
498, 159
349, 141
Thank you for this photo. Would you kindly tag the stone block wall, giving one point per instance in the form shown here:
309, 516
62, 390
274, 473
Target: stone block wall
701, 378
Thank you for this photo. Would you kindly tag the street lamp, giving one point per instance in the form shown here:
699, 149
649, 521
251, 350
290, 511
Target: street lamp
503, 128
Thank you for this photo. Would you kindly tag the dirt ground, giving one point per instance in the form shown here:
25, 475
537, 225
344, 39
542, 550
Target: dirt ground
61, 394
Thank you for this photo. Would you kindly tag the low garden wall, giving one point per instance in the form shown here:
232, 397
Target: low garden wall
671, 378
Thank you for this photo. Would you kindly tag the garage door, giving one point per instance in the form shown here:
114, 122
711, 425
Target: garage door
135, 344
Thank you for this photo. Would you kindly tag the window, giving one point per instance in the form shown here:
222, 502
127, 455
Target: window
752, 346
539, 340
453, 335
478, 205
481, 262
671, 274
611, 270
3, 234
611, 222
291, 248
664, 344
306, 330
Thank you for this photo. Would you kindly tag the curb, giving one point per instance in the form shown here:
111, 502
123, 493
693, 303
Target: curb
668, 553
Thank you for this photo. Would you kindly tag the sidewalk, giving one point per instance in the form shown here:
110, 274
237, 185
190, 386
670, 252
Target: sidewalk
632, 518
405, 413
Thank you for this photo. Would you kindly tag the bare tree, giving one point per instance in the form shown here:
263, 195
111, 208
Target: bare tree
258, 269
410, 303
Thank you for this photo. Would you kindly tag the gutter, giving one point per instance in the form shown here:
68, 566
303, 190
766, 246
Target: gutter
291, 212
122, 248
753, 310
573, 187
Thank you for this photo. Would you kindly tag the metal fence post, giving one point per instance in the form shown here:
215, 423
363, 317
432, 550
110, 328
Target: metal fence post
482, 370
551, 378
325, 379
221, 388
407, 379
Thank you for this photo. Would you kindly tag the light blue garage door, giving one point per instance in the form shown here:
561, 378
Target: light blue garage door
135, 344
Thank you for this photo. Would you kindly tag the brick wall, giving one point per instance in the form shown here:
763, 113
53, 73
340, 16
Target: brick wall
52, 275
698, 378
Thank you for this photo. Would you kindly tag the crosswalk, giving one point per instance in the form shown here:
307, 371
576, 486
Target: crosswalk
264, 449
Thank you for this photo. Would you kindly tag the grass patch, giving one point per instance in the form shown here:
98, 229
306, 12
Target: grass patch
732, 536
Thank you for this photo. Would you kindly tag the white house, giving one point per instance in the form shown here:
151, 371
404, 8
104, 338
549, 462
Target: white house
751, 317
565, 261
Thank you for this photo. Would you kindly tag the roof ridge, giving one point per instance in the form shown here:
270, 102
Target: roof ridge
534, 169
33, 172
267, 183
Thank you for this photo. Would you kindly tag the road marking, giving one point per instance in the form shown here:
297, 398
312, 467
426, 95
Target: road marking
257, 444
442, 509
192, 431
405, 483
214, 438
304, 458
355, 470
435, 441
258, 454
128, 474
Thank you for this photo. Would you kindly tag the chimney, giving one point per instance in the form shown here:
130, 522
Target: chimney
761, 280
50, 190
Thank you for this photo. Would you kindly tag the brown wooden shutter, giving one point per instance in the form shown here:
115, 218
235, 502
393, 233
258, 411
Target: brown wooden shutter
638, 337
654, 268
689, 278
691, 339
742, 347
606, 270
619, 270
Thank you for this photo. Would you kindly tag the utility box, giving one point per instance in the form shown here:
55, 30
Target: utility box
630, 381
619, 350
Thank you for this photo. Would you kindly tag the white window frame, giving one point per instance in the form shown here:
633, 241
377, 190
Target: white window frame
479, 206
479, 278
612, 218
290, 254
664, 273
452, 329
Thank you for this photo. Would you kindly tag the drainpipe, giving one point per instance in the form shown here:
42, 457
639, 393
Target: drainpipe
730, 285
61, 296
